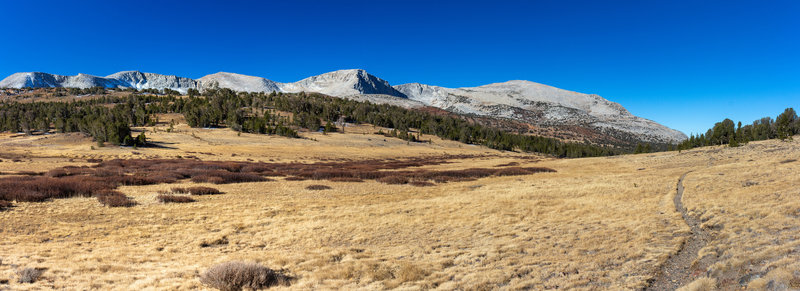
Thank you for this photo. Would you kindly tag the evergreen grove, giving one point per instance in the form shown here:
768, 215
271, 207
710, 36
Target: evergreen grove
727, 133
108, 119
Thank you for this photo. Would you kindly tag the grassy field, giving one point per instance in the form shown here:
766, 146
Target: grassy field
593, 224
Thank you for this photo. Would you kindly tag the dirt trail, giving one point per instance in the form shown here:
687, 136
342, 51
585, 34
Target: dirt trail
681, 268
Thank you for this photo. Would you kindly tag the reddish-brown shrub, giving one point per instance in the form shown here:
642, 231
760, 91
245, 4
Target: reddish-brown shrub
180, 190
207, 179
330, 173
199, 190
94, 160
508, 164
345, 179
113, 198
318, 187
393, 180
38, 189
26, 195
421, 183
28, 173
513, 171
166, 198
5, 204
224, 177
57, 173
295, 178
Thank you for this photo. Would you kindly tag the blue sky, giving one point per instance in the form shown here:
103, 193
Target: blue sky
685, 64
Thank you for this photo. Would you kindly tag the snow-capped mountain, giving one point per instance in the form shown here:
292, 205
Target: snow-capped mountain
337, 83
532, 103
139, 80
239, 82
125, 79
540, 105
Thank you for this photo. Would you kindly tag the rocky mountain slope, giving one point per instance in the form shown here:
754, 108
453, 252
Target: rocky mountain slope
125, 79
534, 104
337, 83
541, 105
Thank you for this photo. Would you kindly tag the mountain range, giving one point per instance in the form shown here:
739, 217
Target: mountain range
538, 106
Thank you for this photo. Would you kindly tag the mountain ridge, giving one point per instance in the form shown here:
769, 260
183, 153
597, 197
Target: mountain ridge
526, 101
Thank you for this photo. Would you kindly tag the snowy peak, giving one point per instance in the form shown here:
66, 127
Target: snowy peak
39, 79
125, 79
238, 82
337, 83
343, 83
139, 80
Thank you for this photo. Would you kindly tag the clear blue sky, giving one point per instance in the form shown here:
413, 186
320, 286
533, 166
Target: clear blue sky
685, 64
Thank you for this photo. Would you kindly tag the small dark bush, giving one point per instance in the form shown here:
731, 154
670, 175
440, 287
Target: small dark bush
174, 198
421, 183
5, 204
57, 173
113, 198
318, 187
343, 179
393, 180
513, 171
179, 190
29, 275
199, 190
234, 276
207, 179
331, 173
94, 160
508, 164
294, 178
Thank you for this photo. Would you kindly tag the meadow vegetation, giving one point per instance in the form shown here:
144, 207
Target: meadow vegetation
392, 214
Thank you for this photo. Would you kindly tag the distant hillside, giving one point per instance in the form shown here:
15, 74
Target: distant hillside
547, 110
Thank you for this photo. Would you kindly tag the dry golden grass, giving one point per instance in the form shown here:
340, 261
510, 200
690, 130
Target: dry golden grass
595, 224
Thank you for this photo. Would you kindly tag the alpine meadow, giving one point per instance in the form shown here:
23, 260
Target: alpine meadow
400, 145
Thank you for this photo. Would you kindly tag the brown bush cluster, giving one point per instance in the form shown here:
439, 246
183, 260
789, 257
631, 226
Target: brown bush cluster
86, 181
200, 190
318, 187
167, 198
113, 198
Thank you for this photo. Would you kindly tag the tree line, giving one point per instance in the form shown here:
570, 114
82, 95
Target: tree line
108, 119
726, 132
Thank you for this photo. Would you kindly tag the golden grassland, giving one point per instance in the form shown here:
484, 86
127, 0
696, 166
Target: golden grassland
595, 224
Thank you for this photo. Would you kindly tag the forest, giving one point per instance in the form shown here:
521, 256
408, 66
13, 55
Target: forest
727, 133
109, 119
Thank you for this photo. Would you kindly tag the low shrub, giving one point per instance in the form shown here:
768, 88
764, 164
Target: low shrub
234, 276
343, 179
393, 179
508, 164
29, 275
5, 204
200, 190
513, 171
165, 198
318, 187
180, 190
113, 198
207, 179
294, 178
421, 183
